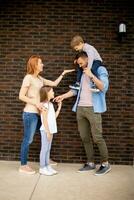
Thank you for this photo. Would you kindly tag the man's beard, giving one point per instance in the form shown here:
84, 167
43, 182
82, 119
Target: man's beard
83, 67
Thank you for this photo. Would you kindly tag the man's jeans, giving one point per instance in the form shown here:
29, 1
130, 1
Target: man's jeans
90, 127
32, 123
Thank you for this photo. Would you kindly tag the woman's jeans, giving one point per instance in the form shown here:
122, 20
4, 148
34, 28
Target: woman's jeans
32, 123
45, 150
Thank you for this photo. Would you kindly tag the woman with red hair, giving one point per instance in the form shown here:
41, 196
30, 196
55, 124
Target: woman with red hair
30, 94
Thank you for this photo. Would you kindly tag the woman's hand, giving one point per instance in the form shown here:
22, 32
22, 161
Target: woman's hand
40, 106
66, 71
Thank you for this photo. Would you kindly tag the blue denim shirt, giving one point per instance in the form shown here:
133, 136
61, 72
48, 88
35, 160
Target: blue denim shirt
98, 98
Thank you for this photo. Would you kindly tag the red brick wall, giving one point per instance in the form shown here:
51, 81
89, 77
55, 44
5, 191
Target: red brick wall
46, 27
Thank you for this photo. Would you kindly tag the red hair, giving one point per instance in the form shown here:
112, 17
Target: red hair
32, 63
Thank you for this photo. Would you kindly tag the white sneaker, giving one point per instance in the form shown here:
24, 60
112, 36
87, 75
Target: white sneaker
94, 90
45, 171
51, 169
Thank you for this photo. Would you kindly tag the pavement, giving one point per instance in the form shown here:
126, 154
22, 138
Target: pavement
68, 184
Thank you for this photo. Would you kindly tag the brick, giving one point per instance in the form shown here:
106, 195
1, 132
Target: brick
46, 28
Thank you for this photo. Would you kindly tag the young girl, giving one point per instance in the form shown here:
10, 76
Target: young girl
48, 128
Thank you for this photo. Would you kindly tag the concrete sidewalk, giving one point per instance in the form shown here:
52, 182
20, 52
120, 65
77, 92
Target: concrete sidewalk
67, 185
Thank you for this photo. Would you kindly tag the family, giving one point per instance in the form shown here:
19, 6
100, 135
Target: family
39, 114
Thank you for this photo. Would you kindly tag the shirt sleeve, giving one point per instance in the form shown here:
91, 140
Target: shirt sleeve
26, 81
74, 92
103, 76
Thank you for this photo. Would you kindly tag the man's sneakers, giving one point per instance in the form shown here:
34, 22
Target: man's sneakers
75, 86
103, 169
87, 167
48, 171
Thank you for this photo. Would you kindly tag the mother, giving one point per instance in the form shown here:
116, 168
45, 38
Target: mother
29, 93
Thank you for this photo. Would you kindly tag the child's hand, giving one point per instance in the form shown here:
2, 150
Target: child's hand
58, 98
49, 136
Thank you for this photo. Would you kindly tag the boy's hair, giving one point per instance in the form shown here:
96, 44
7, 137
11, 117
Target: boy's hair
76, 41
81, 54
44, 93
32, 63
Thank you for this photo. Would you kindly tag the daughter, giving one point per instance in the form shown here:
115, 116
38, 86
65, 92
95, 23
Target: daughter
47, 129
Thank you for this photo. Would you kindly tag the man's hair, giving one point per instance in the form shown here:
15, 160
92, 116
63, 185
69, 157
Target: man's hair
44, 93
76, 41
81, 54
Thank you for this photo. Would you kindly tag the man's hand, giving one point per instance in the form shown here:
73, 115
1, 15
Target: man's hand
88, 72
58, 98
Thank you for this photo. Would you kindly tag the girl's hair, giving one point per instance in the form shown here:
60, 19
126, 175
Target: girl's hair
44, 93
32, 63
76, 41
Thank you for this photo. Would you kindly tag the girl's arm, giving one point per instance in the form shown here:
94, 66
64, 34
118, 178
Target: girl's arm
45, 123
58, 109
57, 81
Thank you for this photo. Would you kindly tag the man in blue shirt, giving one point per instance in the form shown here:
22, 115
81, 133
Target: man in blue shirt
89, 105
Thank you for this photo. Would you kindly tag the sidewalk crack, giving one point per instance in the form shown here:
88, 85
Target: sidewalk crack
34, 188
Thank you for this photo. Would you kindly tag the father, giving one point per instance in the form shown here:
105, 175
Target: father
89, 105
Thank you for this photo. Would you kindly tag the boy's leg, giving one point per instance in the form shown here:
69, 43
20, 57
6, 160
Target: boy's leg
79, 74
76, 86
96, 64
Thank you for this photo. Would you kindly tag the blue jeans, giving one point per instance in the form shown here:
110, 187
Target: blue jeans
32, 123
95, 65
45, 150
